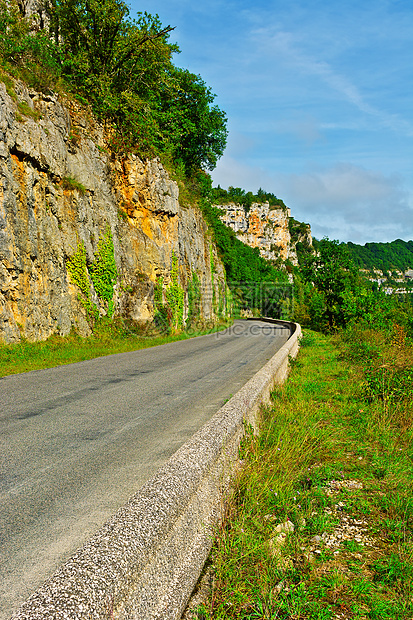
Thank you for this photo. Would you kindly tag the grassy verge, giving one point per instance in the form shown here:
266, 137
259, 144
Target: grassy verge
321, 524
109, 337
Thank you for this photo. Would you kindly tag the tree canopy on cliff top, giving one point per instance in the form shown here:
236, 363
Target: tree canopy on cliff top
124, 68
246, 199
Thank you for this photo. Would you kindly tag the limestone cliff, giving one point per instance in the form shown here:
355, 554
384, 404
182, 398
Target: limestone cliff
267, 228
65, 197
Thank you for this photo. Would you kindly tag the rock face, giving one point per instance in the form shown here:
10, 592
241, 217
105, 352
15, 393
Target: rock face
264, 227
64, 198
37, 10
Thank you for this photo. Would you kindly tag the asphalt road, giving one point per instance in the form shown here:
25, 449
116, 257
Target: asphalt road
77, 441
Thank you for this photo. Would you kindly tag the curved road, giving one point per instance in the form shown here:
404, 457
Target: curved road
77, 441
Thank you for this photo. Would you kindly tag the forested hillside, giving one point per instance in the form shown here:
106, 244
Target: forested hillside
387, 257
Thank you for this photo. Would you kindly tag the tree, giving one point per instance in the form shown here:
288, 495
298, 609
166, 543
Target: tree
125, 67
333, 275
194, 129
99, 39
118, 63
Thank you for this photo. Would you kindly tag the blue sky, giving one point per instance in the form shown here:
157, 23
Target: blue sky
318, 96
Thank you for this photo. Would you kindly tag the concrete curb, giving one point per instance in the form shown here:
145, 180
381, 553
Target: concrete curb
145, 561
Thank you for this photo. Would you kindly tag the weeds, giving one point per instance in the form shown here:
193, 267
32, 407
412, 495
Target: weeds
26, 110
321, 522
71, 184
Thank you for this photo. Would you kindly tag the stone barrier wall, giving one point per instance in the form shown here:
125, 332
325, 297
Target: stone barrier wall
145, 561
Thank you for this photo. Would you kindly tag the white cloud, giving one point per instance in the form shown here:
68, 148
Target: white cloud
311, 82
351, 203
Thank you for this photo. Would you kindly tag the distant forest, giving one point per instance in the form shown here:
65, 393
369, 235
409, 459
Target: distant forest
396, 255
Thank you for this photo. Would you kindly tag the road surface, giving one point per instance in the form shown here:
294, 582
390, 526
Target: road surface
77, 441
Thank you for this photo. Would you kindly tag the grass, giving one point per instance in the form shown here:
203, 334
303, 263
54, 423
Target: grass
26, 110
109, 337
321, 522
22, 106
71, 184
8, 83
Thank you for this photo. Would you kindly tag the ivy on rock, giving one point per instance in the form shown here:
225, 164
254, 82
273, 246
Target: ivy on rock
175, 294
102, 273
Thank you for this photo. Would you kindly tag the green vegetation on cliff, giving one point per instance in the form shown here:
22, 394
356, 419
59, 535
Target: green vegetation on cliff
123, 67
102, 273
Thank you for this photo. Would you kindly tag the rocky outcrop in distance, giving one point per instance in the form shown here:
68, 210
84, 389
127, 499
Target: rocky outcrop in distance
84, 233
267, 228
